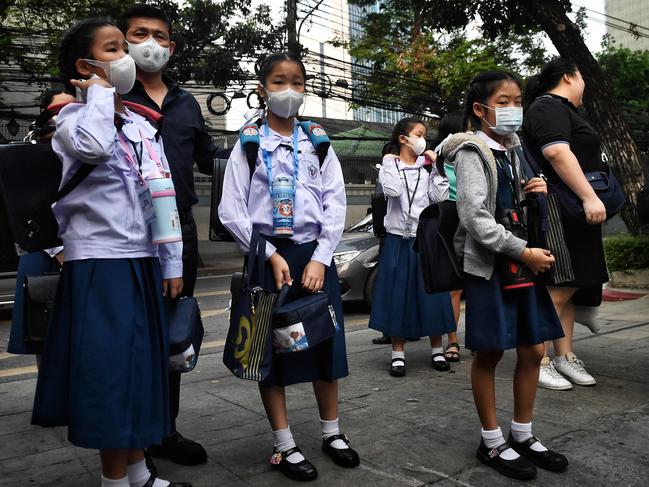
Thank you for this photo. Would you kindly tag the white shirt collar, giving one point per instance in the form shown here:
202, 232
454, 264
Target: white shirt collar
490, 142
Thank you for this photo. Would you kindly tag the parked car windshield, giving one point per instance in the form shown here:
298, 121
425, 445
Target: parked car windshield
364, 225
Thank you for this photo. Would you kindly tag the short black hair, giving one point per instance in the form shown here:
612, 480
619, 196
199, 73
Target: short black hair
481, 88
145, 11
76, 43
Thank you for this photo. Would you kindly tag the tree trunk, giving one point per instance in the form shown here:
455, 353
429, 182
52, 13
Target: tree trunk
605, 115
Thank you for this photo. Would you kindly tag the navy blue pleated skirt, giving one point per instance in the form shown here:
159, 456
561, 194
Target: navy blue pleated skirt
400, 305
326, 361
105, 361
501, 320
34, 264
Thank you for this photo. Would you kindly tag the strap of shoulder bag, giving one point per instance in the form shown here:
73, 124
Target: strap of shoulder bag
78, 177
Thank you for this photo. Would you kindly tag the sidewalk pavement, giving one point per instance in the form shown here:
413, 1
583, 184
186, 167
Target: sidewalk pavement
418, 431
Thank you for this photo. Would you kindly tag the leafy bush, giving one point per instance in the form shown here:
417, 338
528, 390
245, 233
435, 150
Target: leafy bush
626, 252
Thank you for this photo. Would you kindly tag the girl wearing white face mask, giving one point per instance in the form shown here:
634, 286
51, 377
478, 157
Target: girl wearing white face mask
300, 258
505, 307
105, 359
401, 308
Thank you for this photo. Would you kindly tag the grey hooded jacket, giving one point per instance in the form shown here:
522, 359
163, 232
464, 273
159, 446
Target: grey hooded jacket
479, 236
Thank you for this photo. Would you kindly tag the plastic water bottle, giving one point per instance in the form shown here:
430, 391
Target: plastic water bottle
283, 196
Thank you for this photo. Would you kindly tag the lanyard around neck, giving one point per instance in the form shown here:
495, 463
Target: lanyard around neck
411, 198
296, 160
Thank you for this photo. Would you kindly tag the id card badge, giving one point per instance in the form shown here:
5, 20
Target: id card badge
407, 231
146, 203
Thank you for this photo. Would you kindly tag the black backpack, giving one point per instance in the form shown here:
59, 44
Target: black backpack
379, 204
434, 243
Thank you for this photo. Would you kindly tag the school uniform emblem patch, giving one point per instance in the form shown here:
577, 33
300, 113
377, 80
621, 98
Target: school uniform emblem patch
313, 172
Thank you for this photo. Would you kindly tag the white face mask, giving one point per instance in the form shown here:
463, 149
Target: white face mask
417, 144
508, 119
119, 73
284, 104
149, 55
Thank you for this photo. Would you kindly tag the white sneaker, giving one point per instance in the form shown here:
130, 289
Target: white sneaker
549, 378
574, 370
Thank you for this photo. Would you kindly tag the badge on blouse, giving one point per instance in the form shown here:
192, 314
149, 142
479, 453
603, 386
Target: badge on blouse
146, 203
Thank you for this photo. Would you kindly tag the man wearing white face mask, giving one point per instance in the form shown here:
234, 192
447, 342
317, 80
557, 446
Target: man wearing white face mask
186, 142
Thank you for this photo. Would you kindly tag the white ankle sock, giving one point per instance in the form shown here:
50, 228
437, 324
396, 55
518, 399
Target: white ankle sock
522, 432
559, 359
114, 482
330, 428
138, 475
439, 358
493, 439
399, 355
284, 441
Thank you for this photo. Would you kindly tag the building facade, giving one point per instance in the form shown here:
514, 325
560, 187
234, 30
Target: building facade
631, 14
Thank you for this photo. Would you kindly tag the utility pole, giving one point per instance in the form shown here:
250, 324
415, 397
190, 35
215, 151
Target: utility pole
291, 26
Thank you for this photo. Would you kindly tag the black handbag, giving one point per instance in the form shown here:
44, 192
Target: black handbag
218, 232
185, 333
379, 204
30, 175
248, 351
38, 303
302, 324
606, 187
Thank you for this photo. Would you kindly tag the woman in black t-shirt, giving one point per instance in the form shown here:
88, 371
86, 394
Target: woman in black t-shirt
566, 146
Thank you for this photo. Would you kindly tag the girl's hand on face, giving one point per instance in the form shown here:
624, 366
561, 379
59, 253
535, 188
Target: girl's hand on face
535, 185
84, 84
313, 276
171, 288
281, 272
538, 260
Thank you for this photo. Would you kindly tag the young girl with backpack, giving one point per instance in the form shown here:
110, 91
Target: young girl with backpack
505, 308
401, 308
303, 261
105, 359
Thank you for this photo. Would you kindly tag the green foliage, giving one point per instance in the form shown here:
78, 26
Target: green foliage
421, 69
212, 36
628, 72
626, 252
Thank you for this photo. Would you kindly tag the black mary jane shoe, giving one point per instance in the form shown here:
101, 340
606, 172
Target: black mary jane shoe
302, 471
180, 450
398, 370
343, 457
152, 479
440, 365
521, 468
548, 460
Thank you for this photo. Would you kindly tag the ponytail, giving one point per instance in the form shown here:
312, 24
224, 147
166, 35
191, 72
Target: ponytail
548, 79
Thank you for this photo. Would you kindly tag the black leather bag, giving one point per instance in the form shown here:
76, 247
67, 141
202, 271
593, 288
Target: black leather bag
39, 297
434, 243
218, 233
30, 175
185, 334
302, 324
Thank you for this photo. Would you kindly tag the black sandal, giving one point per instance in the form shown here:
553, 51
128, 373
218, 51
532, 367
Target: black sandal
452, 356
